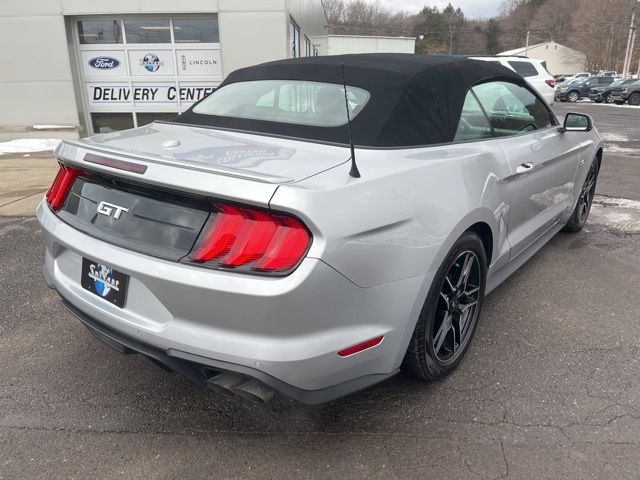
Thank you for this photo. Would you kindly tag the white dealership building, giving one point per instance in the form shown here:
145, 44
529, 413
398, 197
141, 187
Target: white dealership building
76, 67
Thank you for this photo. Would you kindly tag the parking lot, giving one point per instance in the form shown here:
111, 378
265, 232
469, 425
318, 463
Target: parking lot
549, 389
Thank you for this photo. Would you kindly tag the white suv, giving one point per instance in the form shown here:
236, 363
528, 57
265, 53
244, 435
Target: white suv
532, 70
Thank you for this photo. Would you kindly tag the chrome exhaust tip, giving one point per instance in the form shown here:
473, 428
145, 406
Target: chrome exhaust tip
224, 383
254, 391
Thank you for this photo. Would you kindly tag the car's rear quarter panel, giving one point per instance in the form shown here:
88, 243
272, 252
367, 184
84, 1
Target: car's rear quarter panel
409, 206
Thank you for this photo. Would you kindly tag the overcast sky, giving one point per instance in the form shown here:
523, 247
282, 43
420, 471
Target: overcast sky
471, 8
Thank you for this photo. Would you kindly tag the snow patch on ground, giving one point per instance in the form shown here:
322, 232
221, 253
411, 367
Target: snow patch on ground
616, 214
25, 145
615, 105
53, 127
617, 149
614, 137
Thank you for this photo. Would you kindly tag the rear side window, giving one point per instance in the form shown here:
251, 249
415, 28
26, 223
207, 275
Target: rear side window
287, 101
605, 81
473, 122
512, 109
525, 69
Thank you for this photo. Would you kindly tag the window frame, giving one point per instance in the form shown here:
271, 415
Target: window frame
307, 46
552, 116
486, 117
296, 38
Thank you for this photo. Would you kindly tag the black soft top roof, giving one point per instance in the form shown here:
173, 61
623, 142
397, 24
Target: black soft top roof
415, 99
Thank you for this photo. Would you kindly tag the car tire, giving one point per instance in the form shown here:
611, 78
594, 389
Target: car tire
581, 211
634, 99
450, 314
607, 98
573, 97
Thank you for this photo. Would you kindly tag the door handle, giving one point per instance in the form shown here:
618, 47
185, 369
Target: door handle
524, 167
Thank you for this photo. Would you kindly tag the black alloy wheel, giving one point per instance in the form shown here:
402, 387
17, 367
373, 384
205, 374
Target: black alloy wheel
587, 193
581, 213
450, 313
457, 307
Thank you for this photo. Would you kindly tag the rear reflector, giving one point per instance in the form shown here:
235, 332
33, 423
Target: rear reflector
252, 240
57, 193
359, 347
551, 83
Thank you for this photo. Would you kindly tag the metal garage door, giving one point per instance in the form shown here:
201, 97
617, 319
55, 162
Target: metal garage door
135, 69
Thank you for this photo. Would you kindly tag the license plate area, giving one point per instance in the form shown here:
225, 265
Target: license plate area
105, 282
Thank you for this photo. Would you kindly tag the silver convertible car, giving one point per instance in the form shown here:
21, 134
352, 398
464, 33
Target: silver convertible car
318, 224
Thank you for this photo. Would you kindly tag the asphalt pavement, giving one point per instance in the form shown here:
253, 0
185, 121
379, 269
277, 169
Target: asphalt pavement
549, 389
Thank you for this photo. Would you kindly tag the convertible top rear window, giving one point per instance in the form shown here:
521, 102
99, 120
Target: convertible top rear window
396, 100
287, 101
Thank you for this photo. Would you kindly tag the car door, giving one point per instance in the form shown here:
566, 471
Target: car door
542, 160
588, 85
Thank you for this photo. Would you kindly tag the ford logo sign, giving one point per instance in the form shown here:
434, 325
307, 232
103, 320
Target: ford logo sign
102, 63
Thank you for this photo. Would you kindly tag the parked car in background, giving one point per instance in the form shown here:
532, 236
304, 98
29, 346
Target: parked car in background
577, 76
534, 72
574, 91
627, 93
609, 73
560, 78
603, 94
241, 245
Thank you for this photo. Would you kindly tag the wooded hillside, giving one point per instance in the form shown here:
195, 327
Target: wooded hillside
599, 28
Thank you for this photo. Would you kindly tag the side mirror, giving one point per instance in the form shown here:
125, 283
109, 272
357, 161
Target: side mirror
576, 122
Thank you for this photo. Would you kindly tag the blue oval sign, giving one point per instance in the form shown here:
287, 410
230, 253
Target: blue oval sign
104, 63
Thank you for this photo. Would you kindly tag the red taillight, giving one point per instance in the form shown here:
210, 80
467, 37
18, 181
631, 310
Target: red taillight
359, 347
551, 83
253, 240
57, 193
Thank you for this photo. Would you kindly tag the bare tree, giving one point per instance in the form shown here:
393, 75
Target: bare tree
597, 28
361, 17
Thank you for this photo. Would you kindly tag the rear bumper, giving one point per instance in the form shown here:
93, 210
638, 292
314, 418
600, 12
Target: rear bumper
595, 97
199, 369
285, 332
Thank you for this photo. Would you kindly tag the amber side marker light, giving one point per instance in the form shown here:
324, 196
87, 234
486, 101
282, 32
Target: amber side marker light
359, 347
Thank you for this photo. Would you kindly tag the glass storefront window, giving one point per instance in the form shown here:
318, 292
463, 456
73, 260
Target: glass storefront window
147, 31
111, 122
147, 118
100, 31
307, 46
294, 35
196, 30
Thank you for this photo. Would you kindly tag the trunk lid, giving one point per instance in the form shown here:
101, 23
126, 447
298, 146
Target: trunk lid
255, 157
159, 223
160, 207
